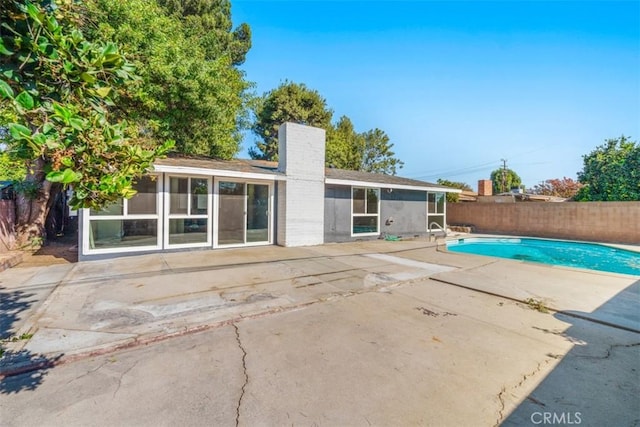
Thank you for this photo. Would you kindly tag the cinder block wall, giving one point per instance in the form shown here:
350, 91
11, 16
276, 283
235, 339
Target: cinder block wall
7, 225
615, 222
301, 198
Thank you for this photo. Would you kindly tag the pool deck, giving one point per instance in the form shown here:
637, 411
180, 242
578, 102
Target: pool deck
98, 304
476, 305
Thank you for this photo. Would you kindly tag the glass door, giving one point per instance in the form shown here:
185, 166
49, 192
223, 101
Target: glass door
257, 213
243, 213
231, 213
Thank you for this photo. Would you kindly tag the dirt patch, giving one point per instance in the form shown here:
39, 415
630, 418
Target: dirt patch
63, 250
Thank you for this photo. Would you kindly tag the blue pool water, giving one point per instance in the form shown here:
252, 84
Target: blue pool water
554, 252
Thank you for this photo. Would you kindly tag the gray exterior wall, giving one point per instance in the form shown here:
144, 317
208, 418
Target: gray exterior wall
409, 212
408, 209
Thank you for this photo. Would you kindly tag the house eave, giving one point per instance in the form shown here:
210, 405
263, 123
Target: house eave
190, 170
353, 183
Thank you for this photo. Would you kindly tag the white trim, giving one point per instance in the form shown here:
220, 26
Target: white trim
385, 185
216, 215
86, 225
366, 215
187, 170
169, 216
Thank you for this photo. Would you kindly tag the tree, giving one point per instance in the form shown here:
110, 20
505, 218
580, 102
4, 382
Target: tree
504, 180
11, 169
611, 172
186, 54
289, 102
344, 146
369, 151
377, 156
565, 187
454, 197
57, 91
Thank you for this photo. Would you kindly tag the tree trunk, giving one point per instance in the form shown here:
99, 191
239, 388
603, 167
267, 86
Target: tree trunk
32, 207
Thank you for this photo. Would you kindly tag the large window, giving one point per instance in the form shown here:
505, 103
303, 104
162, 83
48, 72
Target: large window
127, 223
188, 211
365, 210
435, 210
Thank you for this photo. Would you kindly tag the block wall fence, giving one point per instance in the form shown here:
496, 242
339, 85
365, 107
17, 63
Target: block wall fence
613, 222
7, 225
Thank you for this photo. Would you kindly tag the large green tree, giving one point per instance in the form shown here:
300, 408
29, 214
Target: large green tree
369, 151
611, 172
504, 180
377, 156
57, 93
186, 53
289, 102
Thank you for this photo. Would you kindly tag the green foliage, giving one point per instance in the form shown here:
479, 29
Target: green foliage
345, 148
611, 172
454, 197
368, 151
186, 54
59, 88
289, 102
504, 180
11, 169
377, 156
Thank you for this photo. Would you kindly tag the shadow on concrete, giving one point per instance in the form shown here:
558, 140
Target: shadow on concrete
19, 369
597, 382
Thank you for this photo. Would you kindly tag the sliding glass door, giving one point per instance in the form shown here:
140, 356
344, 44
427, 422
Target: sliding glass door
243, 213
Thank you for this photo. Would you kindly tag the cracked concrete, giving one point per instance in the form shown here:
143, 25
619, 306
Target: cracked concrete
337, 337
244, 370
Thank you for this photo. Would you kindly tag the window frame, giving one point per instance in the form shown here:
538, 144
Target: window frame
188, 215
437, 214
87, 218
216, 213
366, 215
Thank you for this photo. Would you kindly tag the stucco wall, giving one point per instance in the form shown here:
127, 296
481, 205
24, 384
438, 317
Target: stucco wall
7, 225
407, 208
593, 221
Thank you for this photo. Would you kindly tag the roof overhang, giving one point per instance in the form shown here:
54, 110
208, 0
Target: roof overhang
189, 170
349, 182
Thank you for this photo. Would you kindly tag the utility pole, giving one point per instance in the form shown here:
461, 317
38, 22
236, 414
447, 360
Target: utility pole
504, 174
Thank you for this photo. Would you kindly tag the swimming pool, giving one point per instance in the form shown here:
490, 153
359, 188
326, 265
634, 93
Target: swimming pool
555, 252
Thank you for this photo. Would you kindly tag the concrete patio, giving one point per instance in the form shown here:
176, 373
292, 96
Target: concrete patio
356, 323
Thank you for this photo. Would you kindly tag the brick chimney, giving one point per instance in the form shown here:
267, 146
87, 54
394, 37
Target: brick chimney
485, 187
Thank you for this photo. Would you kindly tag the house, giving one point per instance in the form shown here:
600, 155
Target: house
188, 203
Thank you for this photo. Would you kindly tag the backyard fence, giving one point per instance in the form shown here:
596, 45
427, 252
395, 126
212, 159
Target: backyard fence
7, 225
615, 222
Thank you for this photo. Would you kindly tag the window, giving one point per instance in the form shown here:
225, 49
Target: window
188, 218
365, 207
436, 210
127, 223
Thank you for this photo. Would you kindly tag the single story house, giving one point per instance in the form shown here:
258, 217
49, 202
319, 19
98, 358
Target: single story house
188, 203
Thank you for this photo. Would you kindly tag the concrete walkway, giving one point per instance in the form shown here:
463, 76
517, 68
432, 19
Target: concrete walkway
89, 307
76, 312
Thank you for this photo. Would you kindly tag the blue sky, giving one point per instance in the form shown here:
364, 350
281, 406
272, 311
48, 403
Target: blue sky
458, 85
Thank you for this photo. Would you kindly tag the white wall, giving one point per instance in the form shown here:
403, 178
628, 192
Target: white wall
301, 151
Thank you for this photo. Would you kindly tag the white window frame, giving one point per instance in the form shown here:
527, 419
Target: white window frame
169, 216
216, 213
377, 215
87, 218
442, 215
